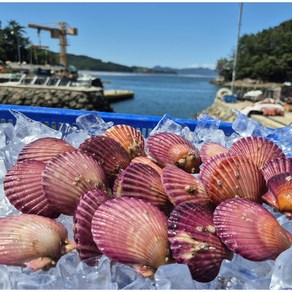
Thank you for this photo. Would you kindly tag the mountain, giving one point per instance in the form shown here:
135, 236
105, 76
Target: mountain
87, 63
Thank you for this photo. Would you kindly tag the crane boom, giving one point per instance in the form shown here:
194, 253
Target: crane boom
61, 34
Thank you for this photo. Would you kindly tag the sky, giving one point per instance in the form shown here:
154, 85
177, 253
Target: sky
148, 34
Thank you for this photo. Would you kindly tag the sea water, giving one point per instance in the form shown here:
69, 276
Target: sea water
181, 96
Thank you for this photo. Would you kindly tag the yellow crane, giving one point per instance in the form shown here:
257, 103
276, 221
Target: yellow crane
58, 33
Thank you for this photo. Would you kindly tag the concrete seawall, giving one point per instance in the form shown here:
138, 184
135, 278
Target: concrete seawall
59, 97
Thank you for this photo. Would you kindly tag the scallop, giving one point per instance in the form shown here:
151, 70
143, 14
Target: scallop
148, 161
171, 149
193, 241
210, 149
258, 149
280, 186
43, 149
144, 182
23, 188
33, 241
108, 153
250, 230
84, 212
130, 138
181, 186
68, 176
276, 166
133, 232
236, 177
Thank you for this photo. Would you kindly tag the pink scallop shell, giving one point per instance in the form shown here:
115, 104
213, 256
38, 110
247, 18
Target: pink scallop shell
194, 242
275, 166
43, 149
84, 212
236, 177
171, 149
68, 176
148, 161
181, 186
108, 153
250, 230
33, 241
143, 182
258, 149
130, 138
22, 186
133, 232
210, 149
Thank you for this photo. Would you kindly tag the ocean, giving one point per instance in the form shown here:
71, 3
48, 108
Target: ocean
156, 95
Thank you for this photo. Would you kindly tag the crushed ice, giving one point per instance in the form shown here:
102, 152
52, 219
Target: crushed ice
71, 273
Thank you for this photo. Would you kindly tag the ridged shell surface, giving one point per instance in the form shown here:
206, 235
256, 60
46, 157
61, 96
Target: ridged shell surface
171, 149
276, 166
208, 167
22, 186
32, 240
194, 242
44, 149
147, 161
143, 182
84, 212
130, 138
181, 186
258, 149
133, 232
210, 149
236, 177
250, 230
70, 175
108, 153
280, 186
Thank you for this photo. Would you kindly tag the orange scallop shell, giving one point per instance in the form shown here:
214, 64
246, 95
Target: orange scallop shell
133, 232
258, 149
171, 149
43, 149
130, 138
181, 186
68, 176
22, 186
250, 230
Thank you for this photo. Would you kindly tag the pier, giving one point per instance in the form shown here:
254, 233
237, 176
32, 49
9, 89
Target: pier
115, 95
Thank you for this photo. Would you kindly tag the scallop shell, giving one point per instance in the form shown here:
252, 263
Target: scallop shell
143, 182
33, 241
171, 149
43, 149
84, 212
181, 186
250, 230
258, 149
208, 167
108, 153
236, 177
133, 232
68, 176
22, 186
280, 186
275, 166
131, 139
193, 241
270, 199
148, 161
210, 149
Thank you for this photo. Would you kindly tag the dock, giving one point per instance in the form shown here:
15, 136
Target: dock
115, 95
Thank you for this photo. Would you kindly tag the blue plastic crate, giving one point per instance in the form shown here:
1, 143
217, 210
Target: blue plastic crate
55, 117
229, 98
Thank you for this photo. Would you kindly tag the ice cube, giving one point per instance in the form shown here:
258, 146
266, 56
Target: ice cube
283, 137
66, 265
93, 124
281, 277
173, 276
167, 124
285, 222
5, 282
243, 125
67, 221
